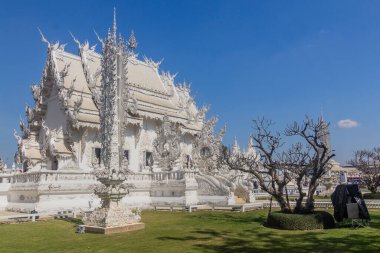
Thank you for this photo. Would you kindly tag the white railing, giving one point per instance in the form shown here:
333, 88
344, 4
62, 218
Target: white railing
42, 176
34, 216
5, 178
140, 177
36, 177
167, 176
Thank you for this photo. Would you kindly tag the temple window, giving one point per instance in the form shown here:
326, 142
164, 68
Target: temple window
205, 152
148, 158
25, 166
187, 161
126, 155
96, 155
54, 165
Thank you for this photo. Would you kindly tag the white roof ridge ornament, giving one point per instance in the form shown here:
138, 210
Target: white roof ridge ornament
55, 46
43, 37
151, 63
99, 38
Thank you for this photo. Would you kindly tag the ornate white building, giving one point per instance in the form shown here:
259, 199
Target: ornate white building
168, 144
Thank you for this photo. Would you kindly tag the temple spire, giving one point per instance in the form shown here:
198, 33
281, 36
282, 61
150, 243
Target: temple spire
235, 147
250, 142
132, 42
114, 23
251, 148
325, 134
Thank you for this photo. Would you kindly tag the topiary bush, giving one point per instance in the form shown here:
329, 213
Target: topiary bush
289, 221
371, 196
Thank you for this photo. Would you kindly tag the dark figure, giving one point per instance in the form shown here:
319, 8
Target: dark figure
345, 194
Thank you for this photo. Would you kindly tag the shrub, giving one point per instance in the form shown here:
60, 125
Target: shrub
371, 196
289, 221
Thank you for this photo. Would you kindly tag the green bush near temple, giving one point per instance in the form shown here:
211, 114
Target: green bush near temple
198, 231
289, 221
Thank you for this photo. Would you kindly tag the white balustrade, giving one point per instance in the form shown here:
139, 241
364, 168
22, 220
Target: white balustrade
36, 177
166, 176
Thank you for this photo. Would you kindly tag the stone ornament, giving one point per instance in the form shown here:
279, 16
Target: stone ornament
113, 168
167, 144
207, 147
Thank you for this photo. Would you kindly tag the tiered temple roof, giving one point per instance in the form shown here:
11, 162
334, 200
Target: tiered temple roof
153, 94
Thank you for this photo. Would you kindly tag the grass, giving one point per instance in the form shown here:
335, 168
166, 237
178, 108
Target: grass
190, 232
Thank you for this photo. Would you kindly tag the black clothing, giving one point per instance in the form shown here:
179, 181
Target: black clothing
344, 194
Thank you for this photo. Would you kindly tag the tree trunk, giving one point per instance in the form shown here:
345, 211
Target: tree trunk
284, 206
370, 184
298, 208
309, 206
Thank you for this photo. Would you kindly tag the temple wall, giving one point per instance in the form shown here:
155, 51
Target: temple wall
4, 187
145, 143
88, 143
55, 117
130, 145
186, 144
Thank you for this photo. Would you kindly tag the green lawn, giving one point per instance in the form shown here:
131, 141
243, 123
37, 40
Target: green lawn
190, 232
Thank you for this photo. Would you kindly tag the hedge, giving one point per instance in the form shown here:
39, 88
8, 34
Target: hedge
289, 221
371, 196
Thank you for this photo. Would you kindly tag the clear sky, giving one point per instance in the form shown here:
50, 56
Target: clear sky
278, 59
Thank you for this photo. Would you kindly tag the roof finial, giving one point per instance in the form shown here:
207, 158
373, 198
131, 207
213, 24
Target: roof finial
235, 147
132, 42
43, 37
100, 39
250, 141
114, 23
235, 141
75, 39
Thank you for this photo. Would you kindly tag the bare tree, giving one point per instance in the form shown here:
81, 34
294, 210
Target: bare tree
265, 165
368, 162
297, 161
274, 167
318, 159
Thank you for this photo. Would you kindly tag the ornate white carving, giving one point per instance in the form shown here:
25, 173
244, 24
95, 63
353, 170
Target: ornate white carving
48, 144
152, 63
207, 147
185, 99
86, 54
113, 168
77, 106
21, 150
167, 144
36, 92
29, 113
24, 129
132, 42
168, 80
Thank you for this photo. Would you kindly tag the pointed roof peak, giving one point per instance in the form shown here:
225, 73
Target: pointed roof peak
114, 22
235, 147
250, 141
132, 42
236, 144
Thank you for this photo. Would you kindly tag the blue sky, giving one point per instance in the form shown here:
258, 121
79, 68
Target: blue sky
278, 59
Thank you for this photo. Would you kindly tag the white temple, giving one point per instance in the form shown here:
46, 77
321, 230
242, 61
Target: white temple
168, 145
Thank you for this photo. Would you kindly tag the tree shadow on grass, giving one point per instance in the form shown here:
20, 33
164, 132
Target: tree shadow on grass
228, 217
210, 240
